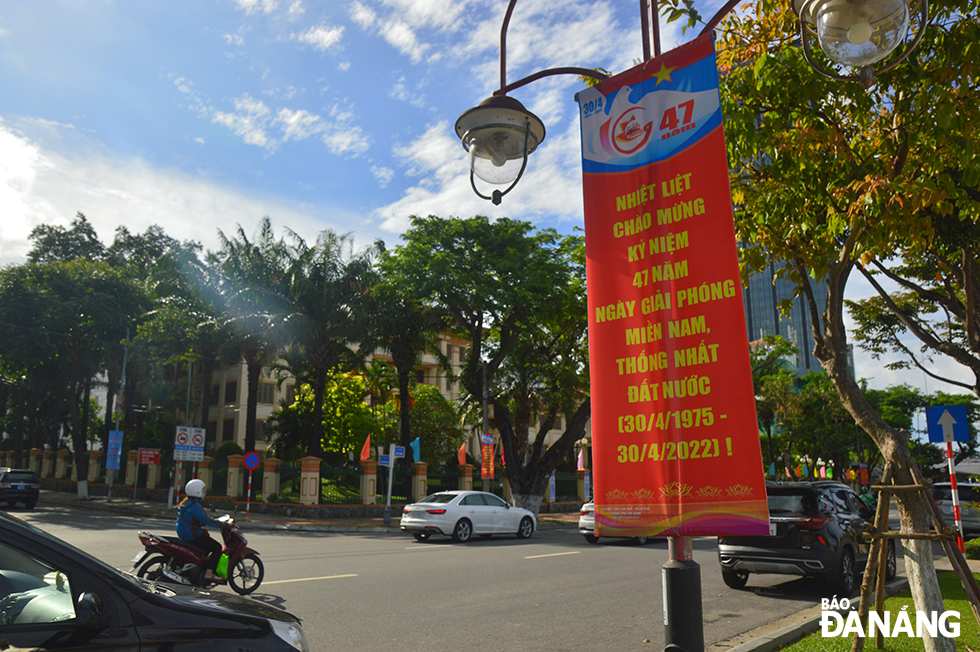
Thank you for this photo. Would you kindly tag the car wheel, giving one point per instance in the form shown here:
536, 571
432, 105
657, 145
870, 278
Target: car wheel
152, 567
526, 528
735, 579
641, 541
421, 536
844, 583
891, 563
591, 538
463, 531
247, 574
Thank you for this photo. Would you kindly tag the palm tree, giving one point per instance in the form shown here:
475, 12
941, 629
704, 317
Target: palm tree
254, 290
326, 288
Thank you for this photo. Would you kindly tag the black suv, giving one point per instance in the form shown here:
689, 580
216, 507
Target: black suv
815, 531
19, 486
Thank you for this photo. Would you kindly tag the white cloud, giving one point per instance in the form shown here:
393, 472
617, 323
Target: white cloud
362, 14
321, 37
383, 175
257, 6
298, 125
234, 39
41, 186
343, 66
296, 10
248, 121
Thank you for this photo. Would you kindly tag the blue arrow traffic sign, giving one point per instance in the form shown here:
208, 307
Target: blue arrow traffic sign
947, 423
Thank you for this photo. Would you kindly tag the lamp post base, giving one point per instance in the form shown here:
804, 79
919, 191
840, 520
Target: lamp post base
683, 622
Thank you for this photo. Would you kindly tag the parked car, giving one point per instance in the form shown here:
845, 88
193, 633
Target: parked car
19, 486
461, 514
56, 597
969, 494
586, 525
815, 531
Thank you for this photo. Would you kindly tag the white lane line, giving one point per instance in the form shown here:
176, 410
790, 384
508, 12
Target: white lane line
309, 579
554, 554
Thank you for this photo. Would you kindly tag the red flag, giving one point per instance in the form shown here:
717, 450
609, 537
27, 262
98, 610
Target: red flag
461, 454
366, 449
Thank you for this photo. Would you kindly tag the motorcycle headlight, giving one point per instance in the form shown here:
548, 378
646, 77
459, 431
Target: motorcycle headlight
292, 633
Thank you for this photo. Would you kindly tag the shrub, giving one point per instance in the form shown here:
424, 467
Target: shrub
973, 549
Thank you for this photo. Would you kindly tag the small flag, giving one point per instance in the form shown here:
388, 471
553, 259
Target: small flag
461, 454
772, 469
416, 447
366, 449
823, 471
581, 459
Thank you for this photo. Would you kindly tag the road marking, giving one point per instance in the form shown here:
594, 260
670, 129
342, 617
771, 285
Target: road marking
310, 579
554, 554
429, 548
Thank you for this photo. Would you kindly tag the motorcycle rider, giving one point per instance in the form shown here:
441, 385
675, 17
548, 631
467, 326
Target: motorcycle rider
191, 524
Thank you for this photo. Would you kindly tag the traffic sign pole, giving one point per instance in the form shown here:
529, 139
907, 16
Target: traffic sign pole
391, 473
956, 496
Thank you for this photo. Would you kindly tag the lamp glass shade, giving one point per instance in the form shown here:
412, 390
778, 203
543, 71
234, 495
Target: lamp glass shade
497, 152
499, 134
859, 32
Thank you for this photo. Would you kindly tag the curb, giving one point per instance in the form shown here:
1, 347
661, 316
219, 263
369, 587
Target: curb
784, 636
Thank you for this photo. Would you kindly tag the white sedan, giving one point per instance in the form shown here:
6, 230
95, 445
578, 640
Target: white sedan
586, 525
461, 514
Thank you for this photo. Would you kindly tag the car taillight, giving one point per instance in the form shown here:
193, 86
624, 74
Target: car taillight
436, 511
4, 485
406, 510
584, 512
815, 522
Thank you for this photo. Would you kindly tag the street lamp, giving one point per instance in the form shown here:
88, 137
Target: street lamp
500, 133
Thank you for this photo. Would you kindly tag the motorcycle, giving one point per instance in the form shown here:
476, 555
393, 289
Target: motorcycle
171, 559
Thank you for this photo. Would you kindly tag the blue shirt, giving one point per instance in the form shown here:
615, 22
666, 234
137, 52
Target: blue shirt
191, 519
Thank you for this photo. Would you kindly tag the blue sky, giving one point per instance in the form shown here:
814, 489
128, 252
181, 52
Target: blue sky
204, 115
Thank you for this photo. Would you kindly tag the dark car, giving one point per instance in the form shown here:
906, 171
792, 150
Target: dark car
19, 486
815, 531
56, 597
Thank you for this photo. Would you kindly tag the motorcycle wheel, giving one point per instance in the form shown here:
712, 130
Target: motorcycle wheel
246, 575
150, 569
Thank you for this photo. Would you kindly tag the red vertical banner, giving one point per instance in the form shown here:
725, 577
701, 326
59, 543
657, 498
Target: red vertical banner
675, 437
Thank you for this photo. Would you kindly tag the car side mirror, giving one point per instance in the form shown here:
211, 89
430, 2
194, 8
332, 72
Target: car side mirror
87, 609
865, 513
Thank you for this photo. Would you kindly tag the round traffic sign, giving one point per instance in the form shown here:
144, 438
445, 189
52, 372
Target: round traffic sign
182, 437
197, 439
251, 461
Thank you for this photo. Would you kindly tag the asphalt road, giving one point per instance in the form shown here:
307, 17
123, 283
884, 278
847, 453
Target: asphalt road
387, 591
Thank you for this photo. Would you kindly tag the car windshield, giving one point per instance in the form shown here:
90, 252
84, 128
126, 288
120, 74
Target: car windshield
20, 477
438, 498
792, 502
94, 561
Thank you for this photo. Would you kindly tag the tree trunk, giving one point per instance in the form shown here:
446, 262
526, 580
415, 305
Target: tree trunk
831, 350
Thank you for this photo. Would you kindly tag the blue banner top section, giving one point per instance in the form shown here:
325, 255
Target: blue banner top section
664, 106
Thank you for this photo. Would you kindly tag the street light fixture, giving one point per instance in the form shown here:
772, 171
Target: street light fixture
500, 133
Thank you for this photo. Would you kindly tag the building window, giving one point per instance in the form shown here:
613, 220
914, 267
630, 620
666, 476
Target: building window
228, 430
259, 430
231, 392
449, 353
267, 393
420, 376
213, 398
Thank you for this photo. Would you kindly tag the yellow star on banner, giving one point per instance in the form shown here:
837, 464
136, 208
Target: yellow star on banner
663, 75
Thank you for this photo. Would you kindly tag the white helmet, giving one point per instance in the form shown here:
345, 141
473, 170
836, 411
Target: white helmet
195, 488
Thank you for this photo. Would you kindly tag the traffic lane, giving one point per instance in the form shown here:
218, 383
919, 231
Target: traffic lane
591, 596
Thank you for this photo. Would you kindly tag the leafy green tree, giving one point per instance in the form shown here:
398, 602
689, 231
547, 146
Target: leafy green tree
56, 243
505, 287
436, 423
768, 358
404, 327
830, 179
60, 316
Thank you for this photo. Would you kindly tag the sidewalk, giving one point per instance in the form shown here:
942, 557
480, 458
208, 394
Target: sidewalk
767, 638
